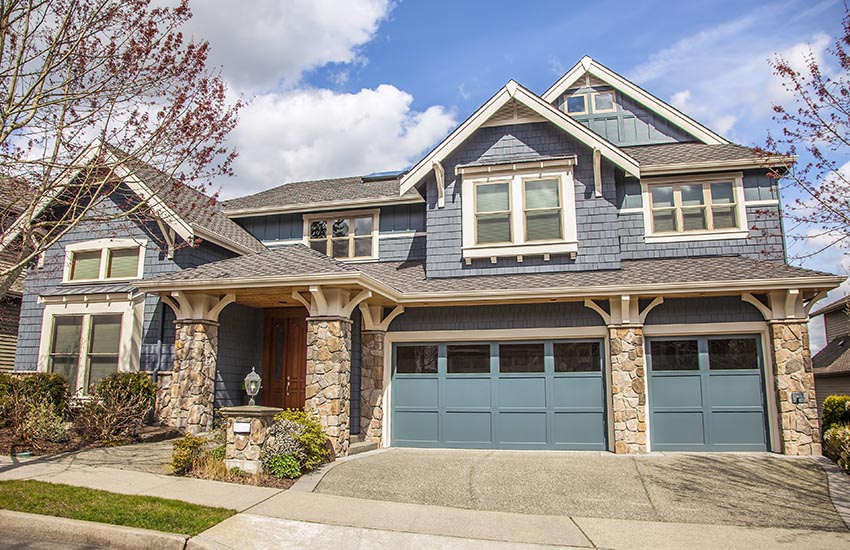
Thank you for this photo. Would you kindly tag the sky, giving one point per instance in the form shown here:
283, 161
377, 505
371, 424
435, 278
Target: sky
351, 87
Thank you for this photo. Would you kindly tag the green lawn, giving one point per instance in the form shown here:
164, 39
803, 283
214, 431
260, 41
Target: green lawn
67, 501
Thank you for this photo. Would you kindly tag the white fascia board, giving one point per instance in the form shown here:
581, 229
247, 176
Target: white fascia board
320, 206
619, 83
711, 166
178, 224
512, 90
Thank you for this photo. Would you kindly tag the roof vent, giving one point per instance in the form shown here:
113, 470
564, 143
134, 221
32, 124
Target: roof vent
841, 342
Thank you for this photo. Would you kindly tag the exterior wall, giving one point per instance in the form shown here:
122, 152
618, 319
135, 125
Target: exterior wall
686, 311
837, 323
240, 348
513, 316
631, 124
598, 242
831, 385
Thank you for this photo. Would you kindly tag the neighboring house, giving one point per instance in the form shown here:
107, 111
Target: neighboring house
586, 269
13, 198
832, 363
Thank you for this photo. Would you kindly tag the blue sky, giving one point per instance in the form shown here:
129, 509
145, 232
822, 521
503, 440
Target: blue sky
350, 87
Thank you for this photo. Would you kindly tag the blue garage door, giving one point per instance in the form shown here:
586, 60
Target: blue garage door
507, 395
706, 394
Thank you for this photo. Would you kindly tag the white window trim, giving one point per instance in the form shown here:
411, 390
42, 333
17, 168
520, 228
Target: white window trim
577, 94
613, 108
520, 246
104, 245
740, 232
376, 219
129, 347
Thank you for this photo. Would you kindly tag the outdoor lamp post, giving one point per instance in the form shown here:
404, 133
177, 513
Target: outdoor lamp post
252, 385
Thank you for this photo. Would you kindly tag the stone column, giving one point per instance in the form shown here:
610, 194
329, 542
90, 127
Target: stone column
162, 407
329, 377
628, 388
193, 378
372, 384
799, 424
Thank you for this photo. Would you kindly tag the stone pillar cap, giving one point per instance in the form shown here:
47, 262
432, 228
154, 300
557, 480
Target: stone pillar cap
249, 410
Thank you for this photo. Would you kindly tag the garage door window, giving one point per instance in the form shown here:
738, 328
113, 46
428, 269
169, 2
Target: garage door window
577, 357
416, 359
520, 358
468, 359
733, 354
674, 355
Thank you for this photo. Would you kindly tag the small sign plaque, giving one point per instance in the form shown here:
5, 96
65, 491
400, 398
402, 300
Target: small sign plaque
241, 427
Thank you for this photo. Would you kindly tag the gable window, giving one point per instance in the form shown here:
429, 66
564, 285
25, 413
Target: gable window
515, 210
576, 104
104, 260
344, 235
85, 348
603, 102
695, 207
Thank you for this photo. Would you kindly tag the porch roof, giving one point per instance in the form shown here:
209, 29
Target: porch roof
834, 359
406, 282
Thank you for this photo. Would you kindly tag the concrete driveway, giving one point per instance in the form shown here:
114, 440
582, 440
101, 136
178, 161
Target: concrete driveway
724, 489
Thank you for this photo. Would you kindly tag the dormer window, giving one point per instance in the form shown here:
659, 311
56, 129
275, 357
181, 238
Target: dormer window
344, 235
603, 102
104, 260
576, 104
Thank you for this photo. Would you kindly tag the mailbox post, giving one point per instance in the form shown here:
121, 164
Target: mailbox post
247, 429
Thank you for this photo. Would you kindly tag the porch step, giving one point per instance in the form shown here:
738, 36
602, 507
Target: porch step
358, 447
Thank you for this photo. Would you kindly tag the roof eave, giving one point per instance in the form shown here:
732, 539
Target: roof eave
711, 166
320, 206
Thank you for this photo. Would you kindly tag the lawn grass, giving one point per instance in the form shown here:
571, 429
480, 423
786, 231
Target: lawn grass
67, 501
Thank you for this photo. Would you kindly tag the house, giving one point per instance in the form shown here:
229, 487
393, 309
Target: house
589, 268
832, 363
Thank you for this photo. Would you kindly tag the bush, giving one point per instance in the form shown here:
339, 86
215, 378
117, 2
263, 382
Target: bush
836, 446
35, 406
299, 435
41, 423
185, 451
44, 385
836, 410
118, 406
284, 466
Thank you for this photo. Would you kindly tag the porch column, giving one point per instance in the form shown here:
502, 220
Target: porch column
329, 376
628, 388
799, 424
193, 380
372, 384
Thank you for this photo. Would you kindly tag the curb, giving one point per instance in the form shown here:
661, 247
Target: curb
88, 533
839, 488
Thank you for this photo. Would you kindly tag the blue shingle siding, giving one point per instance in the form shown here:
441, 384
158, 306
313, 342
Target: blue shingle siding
630, 124
686, 311
507, 316
402, 248
240, 347
596, 217
277, 227
402, 218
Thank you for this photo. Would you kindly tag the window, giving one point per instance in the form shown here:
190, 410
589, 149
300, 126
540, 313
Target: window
85, 348
603, 102
511, 211
577, 357
468, 359
520, 358
416, 360
733, 354
575, 104
692, 207
105, 259
674, 355
344, 235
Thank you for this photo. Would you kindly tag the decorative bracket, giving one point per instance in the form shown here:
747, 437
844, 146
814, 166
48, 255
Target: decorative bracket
197, 307
440, 172
783, 305
597, 172
372, 317
330, 302
817, 298
625, 309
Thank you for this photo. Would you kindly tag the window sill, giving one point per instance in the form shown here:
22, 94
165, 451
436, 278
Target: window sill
686, 237
531, 249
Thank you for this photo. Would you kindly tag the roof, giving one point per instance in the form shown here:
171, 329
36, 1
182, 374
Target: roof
834, 359
304, 195
588, 65
87, 289
840, 303
674, 157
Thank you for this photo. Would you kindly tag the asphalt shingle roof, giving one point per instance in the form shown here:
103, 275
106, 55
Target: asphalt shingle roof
108, 288
689, 152
840, 303
834, 358
320, 191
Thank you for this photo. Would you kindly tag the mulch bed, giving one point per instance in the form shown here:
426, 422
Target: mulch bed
11, 445
262, 480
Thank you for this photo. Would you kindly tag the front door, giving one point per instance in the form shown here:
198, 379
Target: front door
285, 358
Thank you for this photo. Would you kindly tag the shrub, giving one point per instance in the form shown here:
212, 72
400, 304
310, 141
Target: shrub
837, 445
836, 410
34, 406
118, 406
218, 453
284, 466
44, 385
185, 451
41, 423
297, 434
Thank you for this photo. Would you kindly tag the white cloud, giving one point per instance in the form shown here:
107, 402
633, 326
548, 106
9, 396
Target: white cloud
318, 133
263, 43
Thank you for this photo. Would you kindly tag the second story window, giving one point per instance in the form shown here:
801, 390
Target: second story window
542, 209
104, 260
343, 235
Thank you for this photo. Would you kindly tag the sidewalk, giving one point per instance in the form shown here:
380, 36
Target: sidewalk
271, 518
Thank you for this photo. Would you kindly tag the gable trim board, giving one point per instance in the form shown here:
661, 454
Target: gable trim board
588, 65
514, 91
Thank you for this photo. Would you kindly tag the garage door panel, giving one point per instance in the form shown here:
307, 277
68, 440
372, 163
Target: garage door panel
521, 428
522, 392
467, 392
736, 390
738, 428
416, 392
577, 391
677, 428
416, 426
672, 391
581, 428
467, 427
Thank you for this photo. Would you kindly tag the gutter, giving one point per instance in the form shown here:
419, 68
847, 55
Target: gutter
713, 165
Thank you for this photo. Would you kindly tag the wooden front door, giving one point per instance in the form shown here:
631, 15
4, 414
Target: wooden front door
285, 358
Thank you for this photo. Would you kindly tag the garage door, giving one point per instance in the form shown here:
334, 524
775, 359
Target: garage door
706, 394
509, 395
